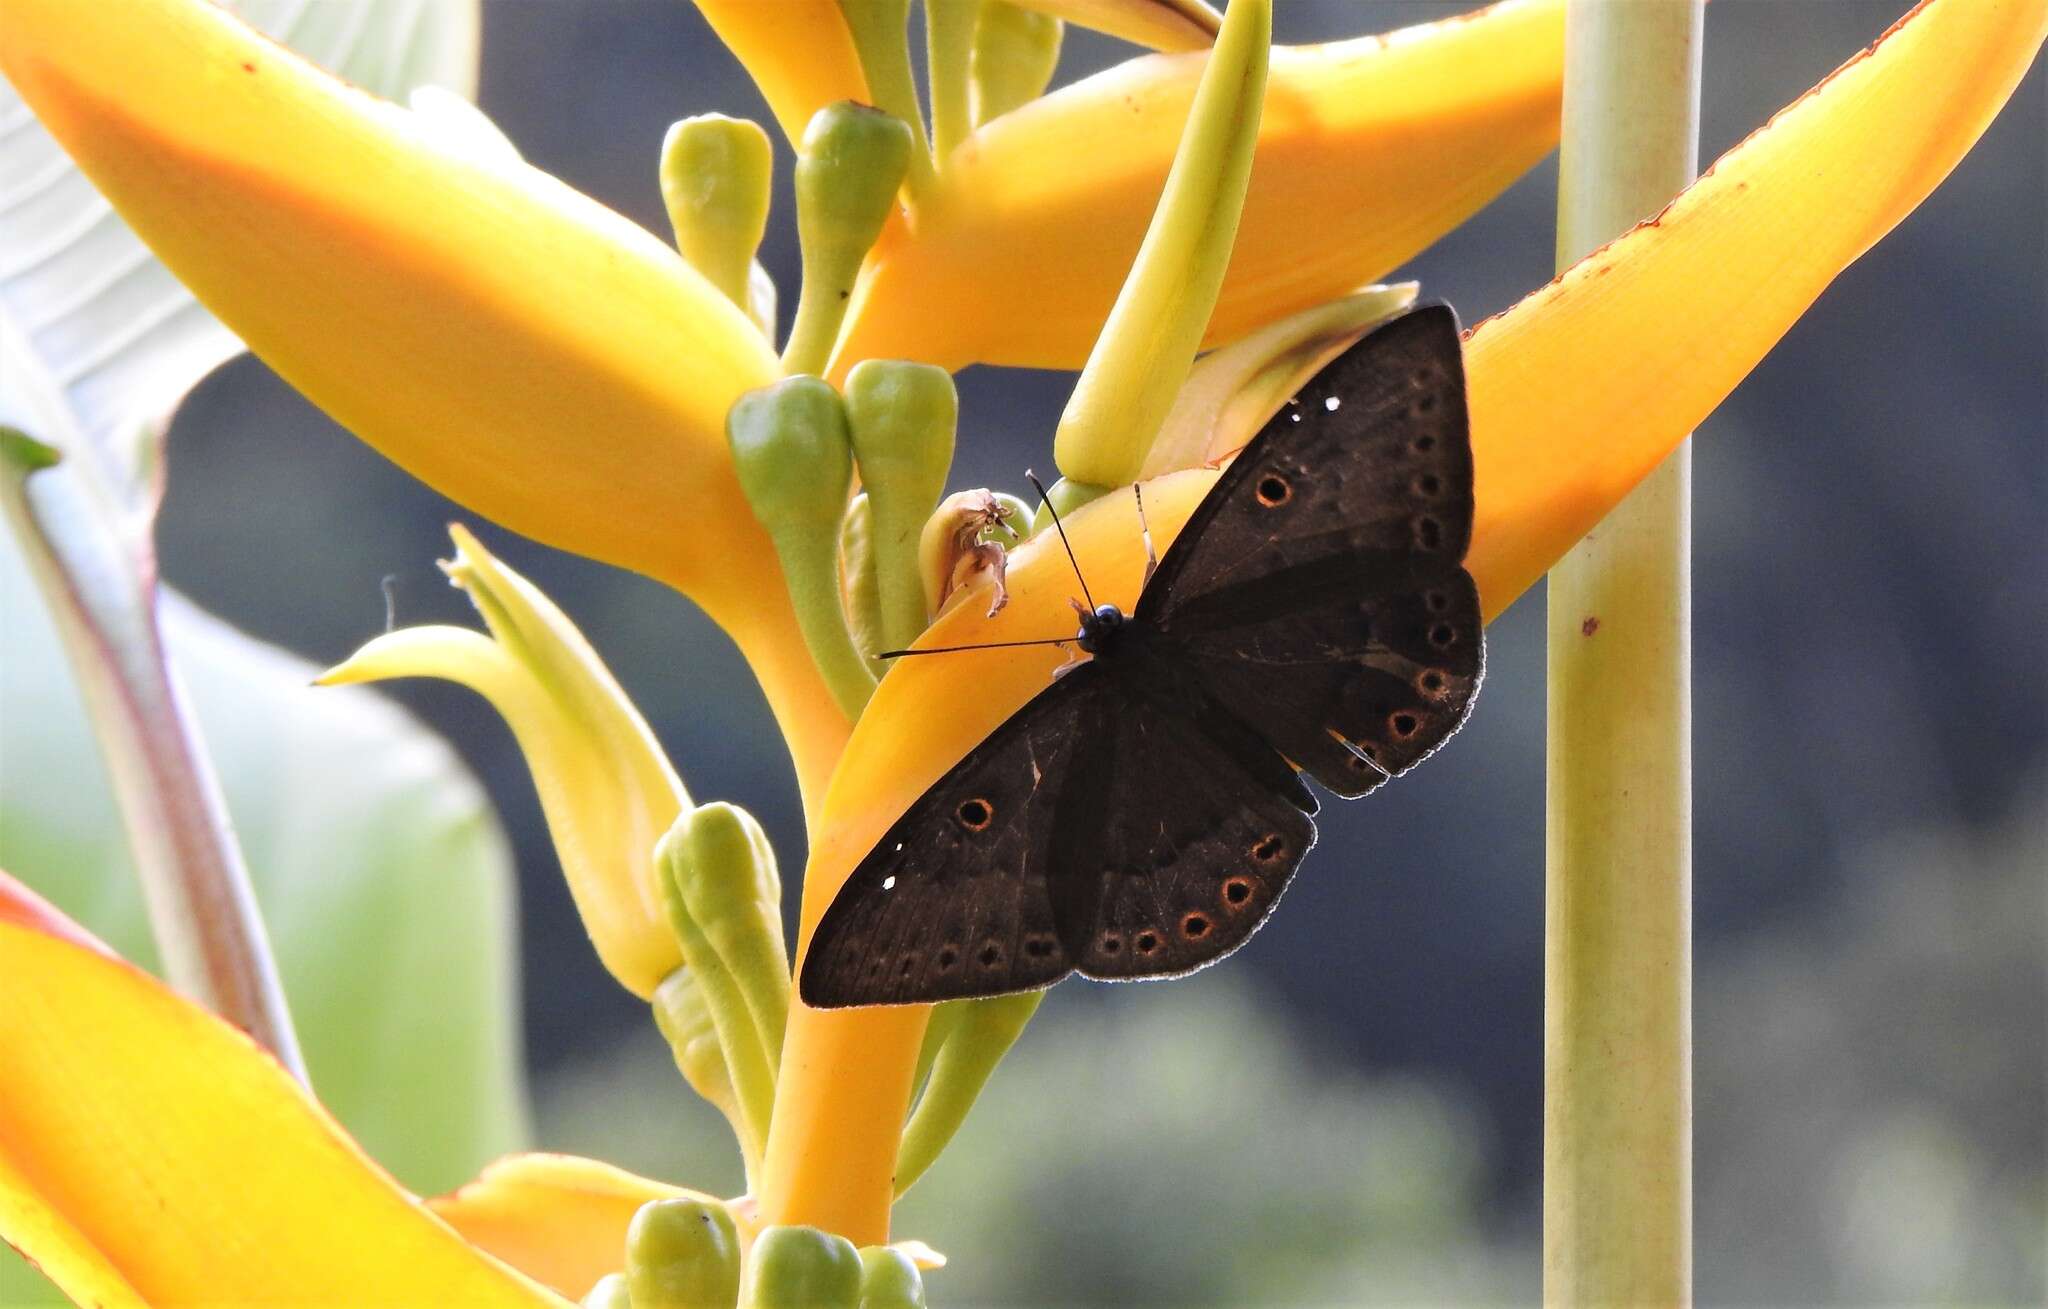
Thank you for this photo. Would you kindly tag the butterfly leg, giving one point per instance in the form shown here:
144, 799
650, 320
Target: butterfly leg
1145, 533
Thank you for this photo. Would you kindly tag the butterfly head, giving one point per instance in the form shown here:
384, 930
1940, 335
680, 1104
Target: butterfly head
1100, 627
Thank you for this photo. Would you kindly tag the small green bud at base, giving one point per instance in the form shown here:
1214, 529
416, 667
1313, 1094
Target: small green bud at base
851, 167
715, 174
803, 1268
863, 594
608, 1292
889, 1280
901, 417
682, 1254
794, 459
1065, 495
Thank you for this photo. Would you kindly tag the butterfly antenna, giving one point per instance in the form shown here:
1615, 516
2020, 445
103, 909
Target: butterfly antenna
956, 649
1032, 478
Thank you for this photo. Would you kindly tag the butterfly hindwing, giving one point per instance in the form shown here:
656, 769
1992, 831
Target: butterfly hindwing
1318, 589
1180, 837
955, 899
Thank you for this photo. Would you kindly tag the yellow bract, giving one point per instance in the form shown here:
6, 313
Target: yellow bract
607, 788
559, 1219
151, 1154
1368, 151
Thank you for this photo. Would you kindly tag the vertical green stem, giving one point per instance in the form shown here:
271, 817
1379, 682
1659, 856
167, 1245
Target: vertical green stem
949, 47
1617, 1155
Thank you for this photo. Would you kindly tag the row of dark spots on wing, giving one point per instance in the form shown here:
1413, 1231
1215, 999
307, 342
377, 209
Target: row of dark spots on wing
1234, 895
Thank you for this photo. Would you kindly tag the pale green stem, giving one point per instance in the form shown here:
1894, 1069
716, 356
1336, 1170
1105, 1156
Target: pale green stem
949, 49
1617, 1155
982, 1032
202, 909
882, 39
1148, 344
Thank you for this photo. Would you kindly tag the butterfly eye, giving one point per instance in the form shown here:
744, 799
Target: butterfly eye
1273, 491
948, 956
991, 954
1442, 634
1237, 890
1430, 683
1194, 927
1429, 532
975, 815
1148, 942
1269, 849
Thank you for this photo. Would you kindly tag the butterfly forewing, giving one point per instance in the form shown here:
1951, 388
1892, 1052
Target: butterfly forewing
1318, 589
955, 899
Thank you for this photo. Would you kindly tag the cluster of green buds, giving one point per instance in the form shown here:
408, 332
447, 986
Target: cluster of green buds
686, 1253
859, 567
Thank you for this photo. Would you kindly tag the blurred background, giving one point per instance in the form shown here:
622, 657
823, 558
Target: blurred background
1351, 1108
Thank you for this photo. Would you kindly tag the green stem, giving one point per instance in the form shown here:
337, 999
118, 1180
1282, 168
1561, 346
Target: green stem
949, 49
880, 36
982, 1032
1617, 1176
101, 589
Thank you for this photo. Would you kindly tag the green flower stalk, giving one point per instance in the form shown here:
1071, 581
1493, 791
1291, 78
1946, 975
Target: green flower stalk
683, 1017
795, 463
901, 417
1148, 344
715, 174
863, 588
853, 162
683, 1254
976, 1037
1617, 1114
802, 1268
878, 28
949, 30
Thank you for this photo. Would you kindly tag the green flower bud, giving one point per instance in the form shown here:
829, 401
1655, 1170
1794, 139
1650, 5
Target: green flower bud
1065, 495
795, 463
1015, 52
608, 1292
889, 1280
863, 593
803, 1268
748, 1062
847, 176
723, 865
715, 175
684, 1019
967, 1058
901, 417
683, 1254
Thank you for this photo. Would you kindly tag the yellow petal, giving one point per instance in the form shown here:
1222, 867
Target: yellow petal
150, 1153
1582, 388
605, 785
559, 1219
512, 343
1368, 151
799, 53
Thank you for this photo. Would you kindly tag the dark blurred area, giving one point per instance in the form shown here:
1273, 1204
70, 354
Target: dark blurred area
1871, 728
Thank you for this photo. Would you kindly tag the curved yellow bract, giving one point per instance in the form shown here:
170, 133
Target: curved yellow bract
150, 1153
1369, 150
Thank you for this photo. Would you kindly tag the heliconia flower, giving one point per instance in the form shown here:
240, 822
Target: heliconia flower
554, 367
608, 791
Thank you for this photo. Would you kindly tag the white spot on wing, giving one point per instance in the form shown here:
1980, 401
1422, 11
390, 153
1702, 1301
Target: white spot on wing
889, 882
1332, 403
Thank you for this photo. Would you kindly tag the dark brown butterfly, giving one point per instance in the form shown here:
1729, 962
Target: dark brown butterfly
1141, 815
